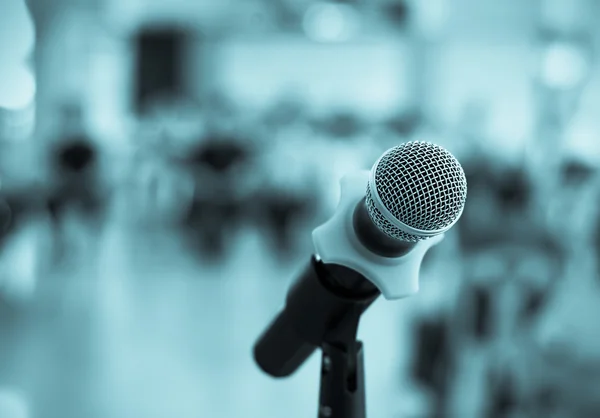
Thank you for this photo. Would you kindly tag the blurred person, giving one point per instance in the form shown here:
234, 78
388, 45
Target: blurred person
221, 165
77, 187
290, 196
284, 210
572, 206
431, 359
430, 340
506, 288
563, 364
161, 186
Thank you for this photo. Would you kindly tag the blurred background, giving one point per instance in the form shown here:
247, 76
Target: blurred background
162, 166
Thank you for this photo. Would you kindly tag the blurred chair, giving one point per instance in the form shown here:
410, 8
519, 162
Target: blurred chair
221, 165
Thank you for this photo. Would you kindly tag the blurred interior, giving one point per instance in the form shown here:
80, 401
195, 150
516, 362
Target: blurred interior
162, 166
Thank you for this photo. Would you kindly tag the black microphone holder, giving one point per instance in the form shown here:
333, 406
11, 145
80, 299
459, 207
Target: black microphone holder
323, 310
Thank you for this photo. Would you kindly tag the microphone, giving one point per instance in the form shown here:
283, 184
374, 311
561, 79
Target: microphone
373, 245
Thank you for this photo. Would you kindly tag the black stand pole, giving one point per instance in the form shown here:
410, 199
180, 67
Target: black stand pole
342, 392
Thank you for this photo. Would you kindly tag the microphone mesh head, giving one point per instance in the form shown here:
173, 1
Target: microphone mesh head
421, 186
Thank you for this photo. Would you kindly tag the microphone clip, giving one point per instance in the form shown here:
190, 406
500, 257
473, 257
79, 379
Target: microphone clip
336, 242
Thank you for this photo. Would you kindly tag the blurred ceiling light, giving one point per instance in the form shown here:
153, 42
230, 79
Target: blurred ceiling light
331, 22
17, 87
17, 39
13, 404
564, 65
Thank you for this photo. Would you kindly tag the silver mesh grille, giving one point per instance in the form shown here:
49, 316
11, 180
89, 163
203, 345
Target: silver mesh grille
422, 186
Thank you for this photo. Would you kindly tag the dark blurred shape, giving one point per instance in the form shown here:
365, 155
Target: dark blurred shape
533, 303
160, 65
405, 124
500, 204
7, 225
281, 212
479, 308
480, 215
19, 202
285, 112
545, 400
220, 153
481, 172
433, 359
76, 157
481, 327
15, 208
5, 216
595, 239
75, 166
503, 399
397, 12
576, 173
514, 190
287, 13
341, 125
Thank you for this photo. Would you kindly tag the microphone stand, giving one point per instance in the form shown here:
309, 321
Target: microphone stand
342, 386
